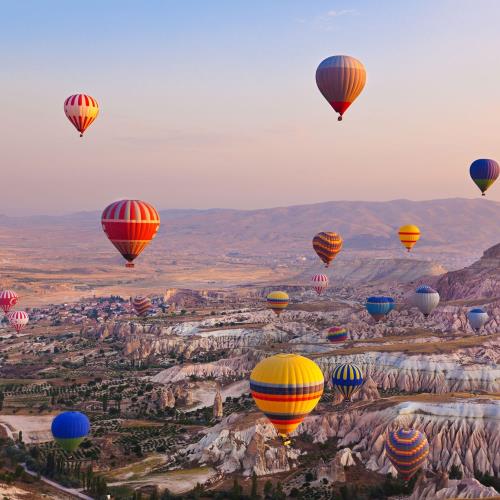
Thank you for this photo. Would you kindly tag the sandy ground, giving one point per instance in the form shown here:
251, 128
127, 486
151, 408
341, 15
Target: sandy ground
205, 392
36, 429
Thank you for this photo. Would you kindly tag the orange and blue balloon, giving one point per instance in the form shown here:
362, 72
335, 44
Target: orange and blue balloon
277, 301
407, 449
340, 79
484, 173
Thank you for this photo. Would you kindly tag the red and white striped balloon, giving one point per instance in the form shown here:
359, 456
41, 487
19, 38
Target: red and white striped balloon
18, 320
81, 110
8, 299
319, 283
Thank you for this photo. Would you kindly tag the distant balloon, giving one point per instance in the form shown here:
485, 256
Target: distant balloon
277, 301
426, 299
18, 320
378, 307
347, 379
81, 110
8, 299
286, 388
130, 225
336, 334
327, 245
319, 283
142, 305
477, 318
70, 429
409, 235
484, 173
407, 450
340, 79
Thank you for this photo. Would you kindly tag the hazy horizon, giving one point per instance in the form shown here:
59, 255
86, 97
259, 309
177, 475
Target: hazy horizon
215, 105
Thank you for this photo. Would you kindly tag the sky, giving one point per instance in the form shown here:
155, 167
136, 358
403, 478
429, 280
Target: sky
215, 104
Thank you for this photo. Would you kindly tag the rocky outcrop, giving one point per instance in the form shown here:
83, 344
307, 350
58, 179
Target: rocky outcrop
480, 280
218, 411
368, 391
442, 488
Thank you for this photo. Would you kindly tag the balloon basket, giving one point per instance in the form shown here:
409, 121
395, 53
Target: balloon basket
129, 265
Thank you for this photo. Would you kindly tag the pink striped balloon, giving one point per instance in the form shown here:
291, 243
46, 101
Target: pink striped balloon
8, 299
81, 110
18, 320
319, 283
142, 305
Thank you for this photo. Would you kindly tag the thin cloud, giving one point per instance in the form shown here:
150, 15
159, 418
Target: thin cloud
343, 12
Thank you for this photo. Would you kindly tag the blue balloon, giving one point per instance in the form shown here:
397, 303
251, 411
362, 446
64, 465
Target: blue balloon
70, 424
378, 307
484, 173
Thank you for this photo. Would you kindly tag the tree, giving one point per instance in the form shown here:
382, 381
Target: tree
268, 488
455, 472
20, 436
254, 493
236, 490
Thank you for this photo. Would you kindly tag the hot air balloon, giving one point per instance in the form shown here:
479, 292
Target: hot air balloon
130, 225
484, 173
336, 334
277, 301
378, 307
8, 299
340, 79
426, 299
319, 283
286, 388
347, 379
407, 450
142, 305
81, 110
70, 429
327, 245
477, 318
18, 320
409, 235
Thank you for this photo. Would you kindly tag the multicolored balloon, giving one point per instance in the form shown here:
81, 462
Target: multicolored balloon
336, 334
319, 283
277, 301
426, 299
142, 305
340, 79
8, 299
327, 245
484, 173
477, 318
18, 320
409, 235
130, 225
286, 388
407, 450
81, 110
379, 307
69, 429
347, 379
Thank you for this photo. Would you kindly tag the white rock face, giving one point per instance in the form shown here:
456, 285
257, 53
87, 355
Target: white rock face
464, 488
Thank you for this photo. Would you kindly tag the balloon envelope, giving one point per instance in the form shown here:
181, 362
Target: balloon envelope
378, 307
327, 245
81, 110
320, 283
484, 173
277, 301
18, 320
340, 79
409, 235
336, 334
130, 225
407, 450
70, 429
426, 299
286, 388
8, 299
142, 305
347, 379
477, 318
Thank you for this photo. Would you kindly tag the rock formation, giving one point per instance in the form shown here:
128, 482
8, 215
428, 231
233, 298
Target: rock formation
218, 409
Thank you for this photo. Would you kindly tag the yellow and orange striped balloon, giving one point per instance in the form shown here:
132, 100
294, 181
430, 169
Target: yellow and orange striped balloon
409, 235
81, 110
286, 388
327, 245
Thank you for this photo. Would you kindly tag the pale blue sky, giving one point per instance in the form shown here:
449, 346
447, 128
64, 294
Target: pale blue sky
214, 104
